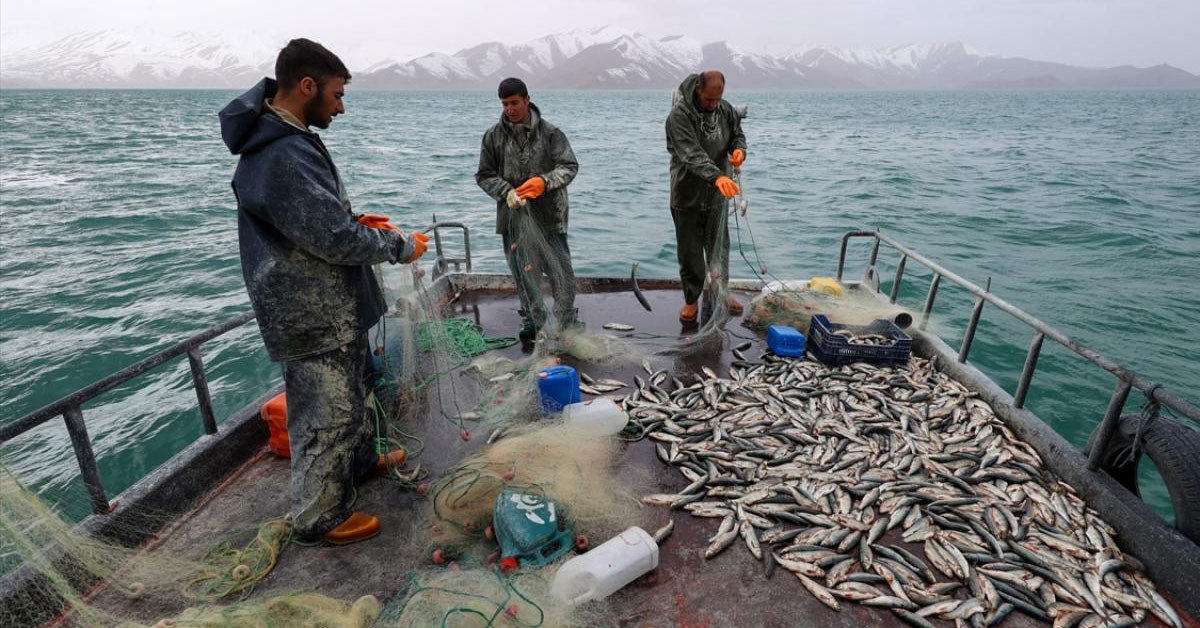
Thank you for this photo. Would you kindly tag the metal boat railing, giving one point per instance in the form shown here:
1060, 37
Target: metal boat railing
1126, 378
70, 407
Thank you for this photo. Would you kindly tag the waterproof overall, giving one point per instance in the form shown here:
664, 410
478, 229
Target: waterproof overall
700, 143
511, 154
308, 268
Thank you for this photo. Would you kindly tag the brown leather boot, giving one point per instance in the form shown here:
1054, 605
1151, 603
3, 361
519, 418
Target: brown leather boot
359, 526
687, 313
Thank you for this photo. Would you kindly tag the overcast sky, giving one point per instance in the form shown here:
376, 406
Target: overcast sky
1079, 32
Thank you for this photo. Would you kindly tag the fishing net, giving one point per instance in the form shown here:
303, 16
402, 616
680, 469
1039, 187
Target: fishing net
585, 473
479, 597
56, 572
794, 305
296, 609
421, 351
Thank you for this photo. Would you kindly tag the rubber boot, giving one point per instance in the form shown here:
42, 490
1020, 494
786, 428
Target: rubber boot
359, 526
687, 313
570, 321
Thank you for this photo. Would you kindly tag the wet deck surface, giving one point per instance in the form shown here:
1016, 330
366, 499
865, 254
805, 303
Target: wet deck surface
685, 590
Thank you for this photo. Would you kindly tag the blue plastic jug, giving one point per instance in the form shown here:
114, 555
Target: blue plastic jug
557, 387
785, 341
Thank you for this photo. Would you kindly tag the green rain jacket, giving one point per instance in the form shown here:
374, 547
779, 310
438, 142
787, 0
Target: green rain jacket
510, 156
700, 143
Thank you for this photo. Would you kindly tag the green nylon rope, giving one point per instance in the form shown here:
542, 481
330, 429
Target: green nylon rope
508, 585
462, 335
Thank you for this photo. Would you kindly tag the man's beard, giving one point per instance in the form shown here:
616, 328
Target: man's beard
313, 113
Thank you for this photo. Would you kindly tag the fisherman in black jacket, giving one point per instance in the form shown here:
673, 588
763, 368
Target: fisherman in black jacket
307, 261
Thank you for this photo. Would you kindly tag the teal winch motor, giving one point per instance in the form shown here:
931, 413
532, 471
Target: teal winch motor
530, 529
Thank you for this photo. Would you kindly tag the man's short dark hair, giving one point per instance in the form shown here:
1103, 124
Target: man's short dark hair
512, 87
702, 82
304, 57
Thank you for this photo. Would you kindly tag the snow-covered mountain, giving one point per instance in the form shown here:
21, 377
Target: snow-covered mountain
604, 57
111, 59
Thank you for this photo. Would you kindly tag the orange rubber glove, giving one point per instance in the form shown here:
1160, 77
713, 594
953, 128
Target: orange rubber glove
376, 221
532, 188
726, 186
420, 245
737, 158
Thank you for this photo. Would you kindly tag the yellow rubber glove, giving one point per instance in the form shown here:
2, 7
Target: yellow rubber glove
737, 158
532, 188
726, 186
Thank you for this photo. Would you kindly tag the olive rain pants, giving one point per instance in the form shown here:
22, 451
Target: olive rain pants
332, 434
549, 254
701, 239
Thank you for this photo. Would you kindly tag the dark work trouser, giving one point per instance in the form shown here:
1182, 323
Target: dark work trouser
332, 435
701, 236
549, 254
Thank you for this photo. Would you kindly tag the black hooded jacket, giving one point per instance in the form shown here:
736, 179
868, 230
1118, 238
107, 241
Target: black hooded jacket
306, 260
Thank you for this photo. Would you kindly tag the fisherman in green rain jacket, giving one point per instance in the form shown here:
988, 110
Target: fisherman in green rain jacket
525, 165
704, 138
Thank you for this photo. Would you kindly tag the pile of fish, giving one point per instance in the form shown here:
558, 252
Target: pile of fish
875, 340
891, 487
597, 387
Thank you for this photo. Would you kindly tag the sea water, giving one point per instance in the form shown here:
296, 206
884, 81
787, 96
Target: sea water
119, 231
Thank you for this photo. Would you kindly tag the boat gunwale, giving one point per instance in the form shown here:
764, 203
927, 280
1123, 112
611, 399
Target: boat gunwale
188, 476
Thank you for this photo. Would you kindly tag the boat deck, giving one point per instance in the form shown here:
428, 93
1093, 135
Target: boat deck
685, 590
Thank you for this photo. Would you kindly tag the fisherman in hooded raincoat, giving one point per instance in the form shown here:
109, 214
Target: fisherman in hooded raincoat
704, 138
307, 261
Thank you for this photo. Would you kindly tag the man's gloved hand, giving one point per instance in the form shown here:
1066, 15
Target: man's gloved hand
514, 200
737, 158
420, 245
726, 186
376, 221
532, 188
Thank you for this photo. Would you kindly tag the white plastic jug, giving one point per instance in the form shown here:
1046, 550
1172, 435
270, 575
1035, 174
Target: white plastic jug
601, 416
607, 568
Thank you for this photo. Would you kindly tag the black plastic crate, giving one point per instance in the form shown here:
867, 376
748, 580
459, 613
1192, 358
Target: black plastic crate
835, 350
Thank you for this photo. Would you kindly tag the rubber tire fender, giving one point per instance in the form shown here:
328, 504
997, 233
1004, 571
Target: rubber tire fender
1174, 449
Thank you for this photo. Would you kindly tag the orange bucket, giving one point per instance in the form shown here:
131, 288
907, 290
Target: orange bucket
274, 412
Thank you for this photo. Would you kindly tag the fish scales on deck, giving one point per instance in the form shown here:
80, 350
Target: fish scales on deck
893, 487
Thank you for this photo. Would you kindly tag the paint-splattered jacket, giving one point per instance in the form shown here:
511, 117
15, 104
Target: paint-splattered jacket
510, 156
700, 143
306, 260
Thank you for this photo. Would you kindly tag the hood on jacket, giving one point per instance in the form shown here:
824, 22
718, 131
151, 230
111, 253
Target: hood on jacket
244, 128
684, 93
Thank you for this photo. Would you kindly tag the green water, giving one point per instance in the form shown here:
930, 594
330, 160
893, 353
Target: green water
119, 232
